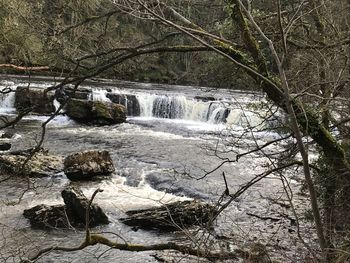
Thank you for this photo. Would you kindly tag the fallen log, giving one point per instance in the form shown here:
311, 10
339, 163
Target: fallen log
173, 216
24, 67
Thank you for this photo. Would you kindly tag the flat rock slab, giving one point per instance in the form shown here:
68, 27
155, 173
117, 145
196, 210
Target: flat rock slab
40, 165
87, 164
170, 217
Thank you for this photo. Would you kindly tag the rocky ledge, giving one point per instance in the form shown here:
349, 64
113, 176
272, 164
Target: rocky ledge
41, 164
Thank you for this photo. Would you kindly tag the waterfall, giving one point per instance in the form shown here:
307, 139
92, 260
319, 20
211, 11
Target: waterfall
7, 100
99, 95
178, 107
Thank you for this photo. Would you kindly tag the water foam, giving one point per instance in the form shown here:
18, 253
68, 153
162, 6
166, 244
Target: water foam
7, 100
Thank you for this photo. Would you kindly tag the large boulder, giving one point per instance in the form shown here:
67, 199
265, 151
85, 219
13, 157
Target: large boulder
71, 214
129, 101
95, 112
34, 98
39, 165
87, 164
174, 216
77, 204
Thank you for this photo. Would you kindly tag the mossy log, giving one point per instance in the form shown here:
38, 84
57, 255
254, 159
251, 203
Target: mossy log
173, 216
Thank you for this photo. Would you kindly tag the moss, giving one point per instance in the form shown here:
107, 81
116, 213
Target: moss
77, 109
101, 110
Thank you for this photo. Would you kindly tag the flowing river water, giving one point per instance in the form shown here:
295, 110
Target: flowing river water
169, 152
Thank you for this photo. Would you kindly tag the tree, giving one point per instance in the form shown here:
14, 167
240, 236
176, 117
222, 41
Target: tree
287, 52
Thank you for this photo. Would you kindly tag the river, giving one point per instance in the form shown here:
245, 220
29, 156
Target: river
164, 154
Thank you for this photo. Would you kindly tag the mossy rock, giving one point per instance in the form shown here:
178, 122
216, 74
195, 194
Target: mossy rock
95, 112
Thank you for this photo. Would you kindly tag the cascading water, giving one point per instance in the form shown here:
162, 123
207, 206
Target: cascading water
99, 95
153, 157
7, 100
176, 107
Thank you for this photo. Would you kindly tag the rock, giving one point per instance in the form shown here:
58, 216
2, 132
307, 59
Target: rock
87, 164
95, 112
72, 214
204, 98
41, 164
65, 92
34, 98
172, 216
258, 254
7, 135
44, 216
76, 205
4, 146
129, 101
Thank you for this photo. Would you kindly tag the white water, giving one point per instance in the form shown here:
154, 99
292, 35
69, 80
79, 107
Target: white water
7, 101
149, 147
172, 106
180, 107
99, 95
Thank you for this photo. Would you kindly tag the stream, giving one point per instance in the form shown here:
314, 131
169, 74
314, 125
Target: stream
168, 150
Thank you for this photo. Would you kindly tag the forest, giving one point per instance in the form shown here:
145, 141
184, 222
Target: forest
175, 131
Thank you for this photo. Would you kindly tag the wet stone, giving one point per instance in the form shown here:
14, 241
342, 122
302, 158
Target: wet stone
7, 135
40, 165
5, 146
88, 164
34, 98
95, 112
71, 214
44, 216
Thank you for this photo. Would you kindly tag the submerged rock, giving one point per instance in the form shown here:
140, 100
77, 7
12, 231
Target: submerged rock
4, 146
77, 204
87, 164
95, 112
174, 216
7, 135
41, 164
44, 216
71, 214
129, 101
204, 98
34, 98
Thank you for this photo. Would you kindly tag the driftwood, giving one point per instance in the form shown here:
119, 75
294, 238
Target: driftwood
170, 217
